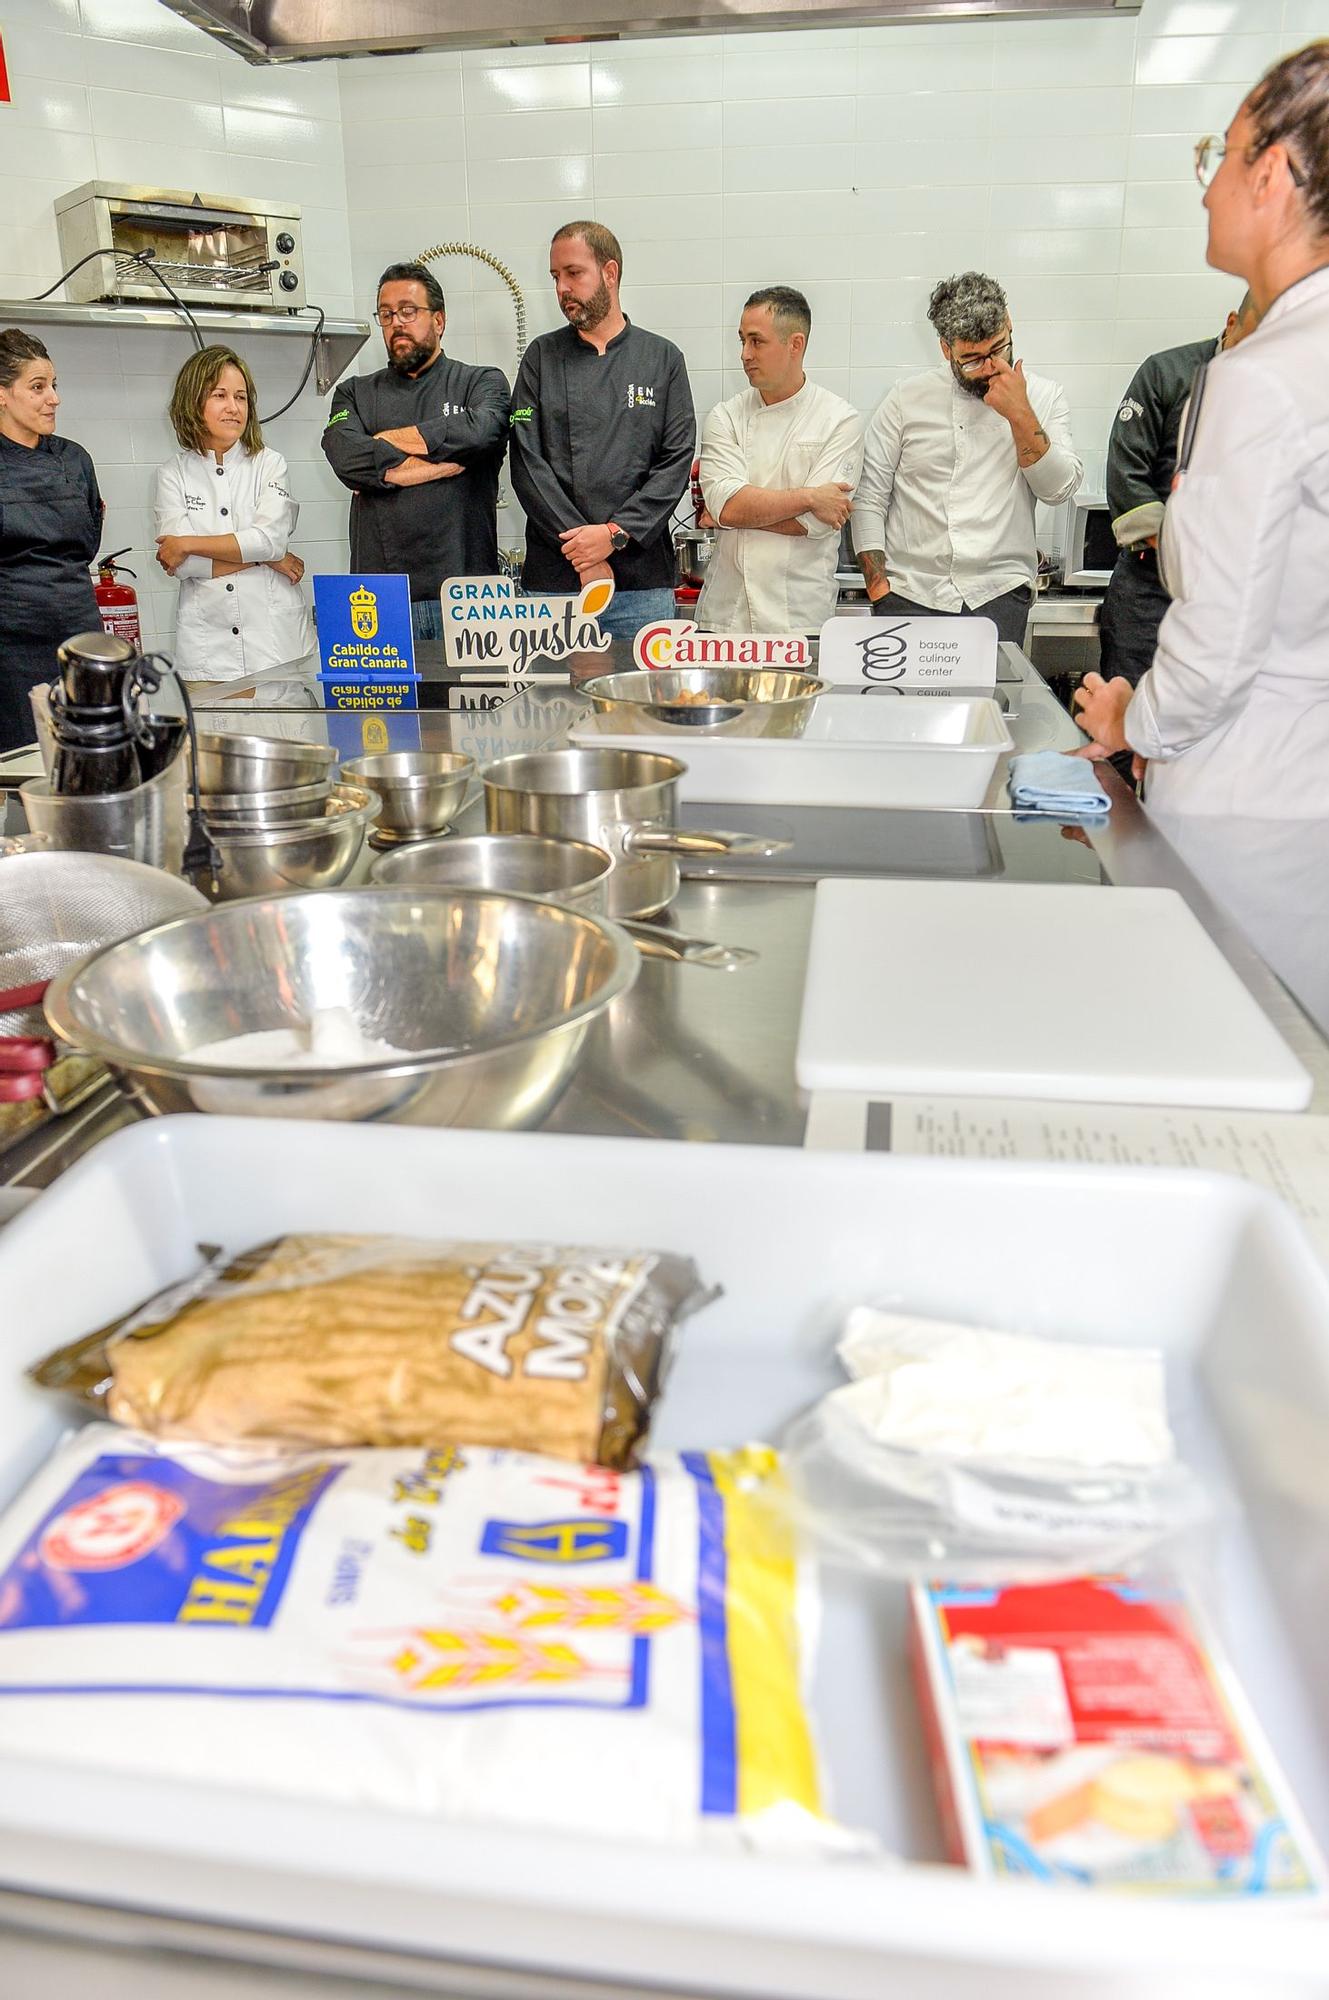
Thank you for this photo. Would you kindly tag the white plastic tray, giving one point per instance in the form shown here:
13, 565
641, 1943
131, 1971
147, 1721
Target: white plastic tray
1212, 1269
859, 749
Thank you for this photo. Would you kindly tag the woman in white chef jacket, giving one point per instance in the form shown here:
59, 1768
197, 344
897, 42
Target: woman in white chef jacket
224, 522
1233, 716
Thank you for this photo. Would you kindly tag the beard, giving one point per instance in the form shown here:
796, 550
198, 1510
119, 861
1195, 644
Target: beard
410, 360
973, 385
585, 314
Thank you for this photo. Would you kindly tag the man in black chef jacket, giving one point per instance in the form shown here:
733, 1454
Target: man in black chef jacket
1142, 457
603, 432
420, 444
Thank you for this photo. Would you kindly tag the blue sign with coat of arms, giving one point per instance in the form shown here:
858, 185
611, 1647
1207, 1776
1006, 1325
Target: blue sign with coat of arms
366, 647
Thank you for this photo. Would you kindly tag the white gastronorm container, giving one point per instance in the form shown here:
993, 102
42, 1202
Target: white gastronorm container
1211, 1269
859, 749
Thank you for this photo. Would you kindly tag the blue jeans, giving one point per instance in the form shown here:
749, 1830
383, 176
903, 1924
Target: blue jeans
629, 610
427, 618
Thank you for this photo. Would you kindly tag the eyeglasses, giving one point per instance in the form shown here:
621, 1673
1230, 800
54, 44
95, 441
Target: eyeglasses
974, 362
408, 315
1211, 151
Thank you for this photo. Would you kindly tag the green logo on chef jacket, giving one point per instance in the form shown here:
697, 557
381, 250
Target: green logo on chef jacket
523, 416
337, 417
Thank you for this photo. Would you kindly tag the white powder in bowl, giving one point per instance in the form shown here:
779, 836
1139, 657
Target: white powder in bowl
331, 1039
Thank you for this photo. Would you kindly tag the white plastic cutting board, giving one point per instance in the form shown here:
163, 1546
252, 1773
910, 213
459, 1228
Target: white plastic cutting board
1118, 996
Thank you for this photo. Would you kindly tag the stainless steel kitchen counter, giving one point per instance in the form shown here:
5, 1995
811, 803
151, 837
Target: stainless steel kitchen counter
693, 1054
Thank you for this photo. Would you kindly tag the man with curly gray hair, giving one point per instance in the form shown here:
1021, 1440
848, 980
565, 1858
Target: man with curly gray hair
955, 462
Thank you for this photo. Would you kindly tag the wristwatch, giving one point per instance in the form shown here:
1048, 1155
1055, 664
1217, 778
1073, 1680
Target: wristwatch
618, 537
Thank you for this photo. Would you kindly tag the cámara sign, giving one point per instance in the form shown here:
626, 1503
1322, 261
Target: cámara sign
674, 642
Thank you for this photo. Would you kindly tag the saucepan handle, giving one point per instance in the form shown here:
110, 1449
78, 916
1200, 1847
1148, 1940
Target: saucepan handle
652, 941
679, 840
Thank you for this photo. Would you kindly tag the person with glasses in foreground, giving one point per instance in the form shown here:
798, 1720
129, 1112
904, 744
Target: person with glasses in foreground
954, 464
420, 444
1232, 718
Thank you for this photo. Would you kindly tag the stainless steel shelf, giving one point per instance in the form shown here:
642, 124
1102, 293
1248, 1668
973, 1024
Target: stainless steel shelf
338, 344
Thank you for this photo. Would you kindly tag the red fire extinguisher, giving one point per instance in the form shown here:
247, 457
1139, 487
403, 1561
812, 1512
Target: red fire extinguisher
117, 603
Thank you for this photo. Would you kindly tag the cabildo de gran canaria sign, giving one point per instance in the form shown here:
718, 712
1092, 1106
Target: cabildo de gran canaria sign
674, 642
489, 629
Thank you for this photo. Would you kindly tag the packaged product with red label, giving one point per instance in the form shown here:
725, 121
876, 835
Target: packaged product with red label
1091, 1732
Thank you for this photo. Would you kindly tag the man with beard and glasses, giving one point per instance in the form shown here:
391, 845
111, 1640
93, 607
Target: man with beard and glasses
954, 463
420, 444
602, 440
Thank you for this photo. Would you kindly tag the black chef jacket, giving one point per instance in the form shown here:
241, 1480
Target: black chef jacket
601, 437
1142, 445
50, 529
450, 526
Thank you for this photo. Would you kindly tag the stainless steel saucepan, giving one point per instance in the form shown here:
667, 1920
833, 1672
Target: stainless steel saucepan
625, 801
561, 871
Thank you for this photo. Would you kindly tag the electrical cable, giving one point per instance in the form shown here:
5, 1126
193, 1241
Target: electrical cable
309, 363
145, 258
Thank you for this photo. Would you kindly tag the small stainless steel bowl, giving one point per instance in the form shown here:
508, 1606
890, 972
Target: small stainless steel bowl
571, 872
740, 701
293, 854
268, 808
492, 995
422, 790
230, 764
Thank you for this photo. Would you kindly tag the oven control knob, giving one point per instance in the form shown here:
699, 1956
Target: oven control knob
286, 243
289, 282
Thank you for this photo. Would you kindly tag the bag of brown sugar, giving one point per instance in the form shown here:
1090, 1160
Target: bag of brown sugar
374, 1340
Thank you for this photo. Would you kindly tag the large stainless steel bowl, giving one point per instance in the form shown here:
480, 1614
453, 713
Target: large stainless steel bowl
259, 763
422, 790
297, 854
733, 701
523, 864
494, 995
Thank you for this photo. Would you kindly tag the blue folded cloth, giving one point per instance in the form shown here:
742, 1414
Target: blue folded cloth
1049, 781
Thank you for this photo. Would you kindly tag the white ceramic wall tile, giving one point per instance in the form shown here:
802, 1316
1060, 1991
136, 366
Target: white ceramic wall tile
42, 104
1060, 205
1074, 251
308, 90
141, 21
1064, 114
1178, 251
911, 163
940, 67
774, 171
277, 135
1175, 59
62, 156
811, 121
1024, 155
927, 119
370, 98
666, 128
791, 73
696, 170
1187, 108
35, 50
567, 175
1048, 55
1058, 343
566, 87
1304, 19
527, 135
120, 114
161, 73
1163, 204
670, 79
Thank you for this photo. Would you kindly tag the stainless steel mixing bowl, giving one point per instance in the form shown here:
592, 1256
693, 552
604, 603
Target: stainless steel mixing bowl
494, 995
259, 763
735, 701
235, 809
422, 790
296, 854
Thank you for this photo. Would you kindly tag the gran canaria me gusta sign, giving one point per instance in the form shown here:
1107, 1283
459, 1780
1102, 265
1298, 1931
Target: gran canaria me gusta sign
489, 629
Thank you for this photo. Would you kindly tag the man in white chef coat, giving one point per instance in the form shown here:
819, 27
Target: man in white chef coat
954, 464
779, 464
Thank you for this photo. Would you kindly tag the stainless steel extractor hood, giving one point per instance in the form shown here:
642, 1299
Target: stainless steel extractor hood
268, 31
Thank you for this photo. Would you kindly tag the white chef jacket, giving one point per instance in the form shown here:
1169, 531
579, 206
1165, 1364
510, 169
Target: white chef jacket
944, 495
1234, 713
227, 627
757, 581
